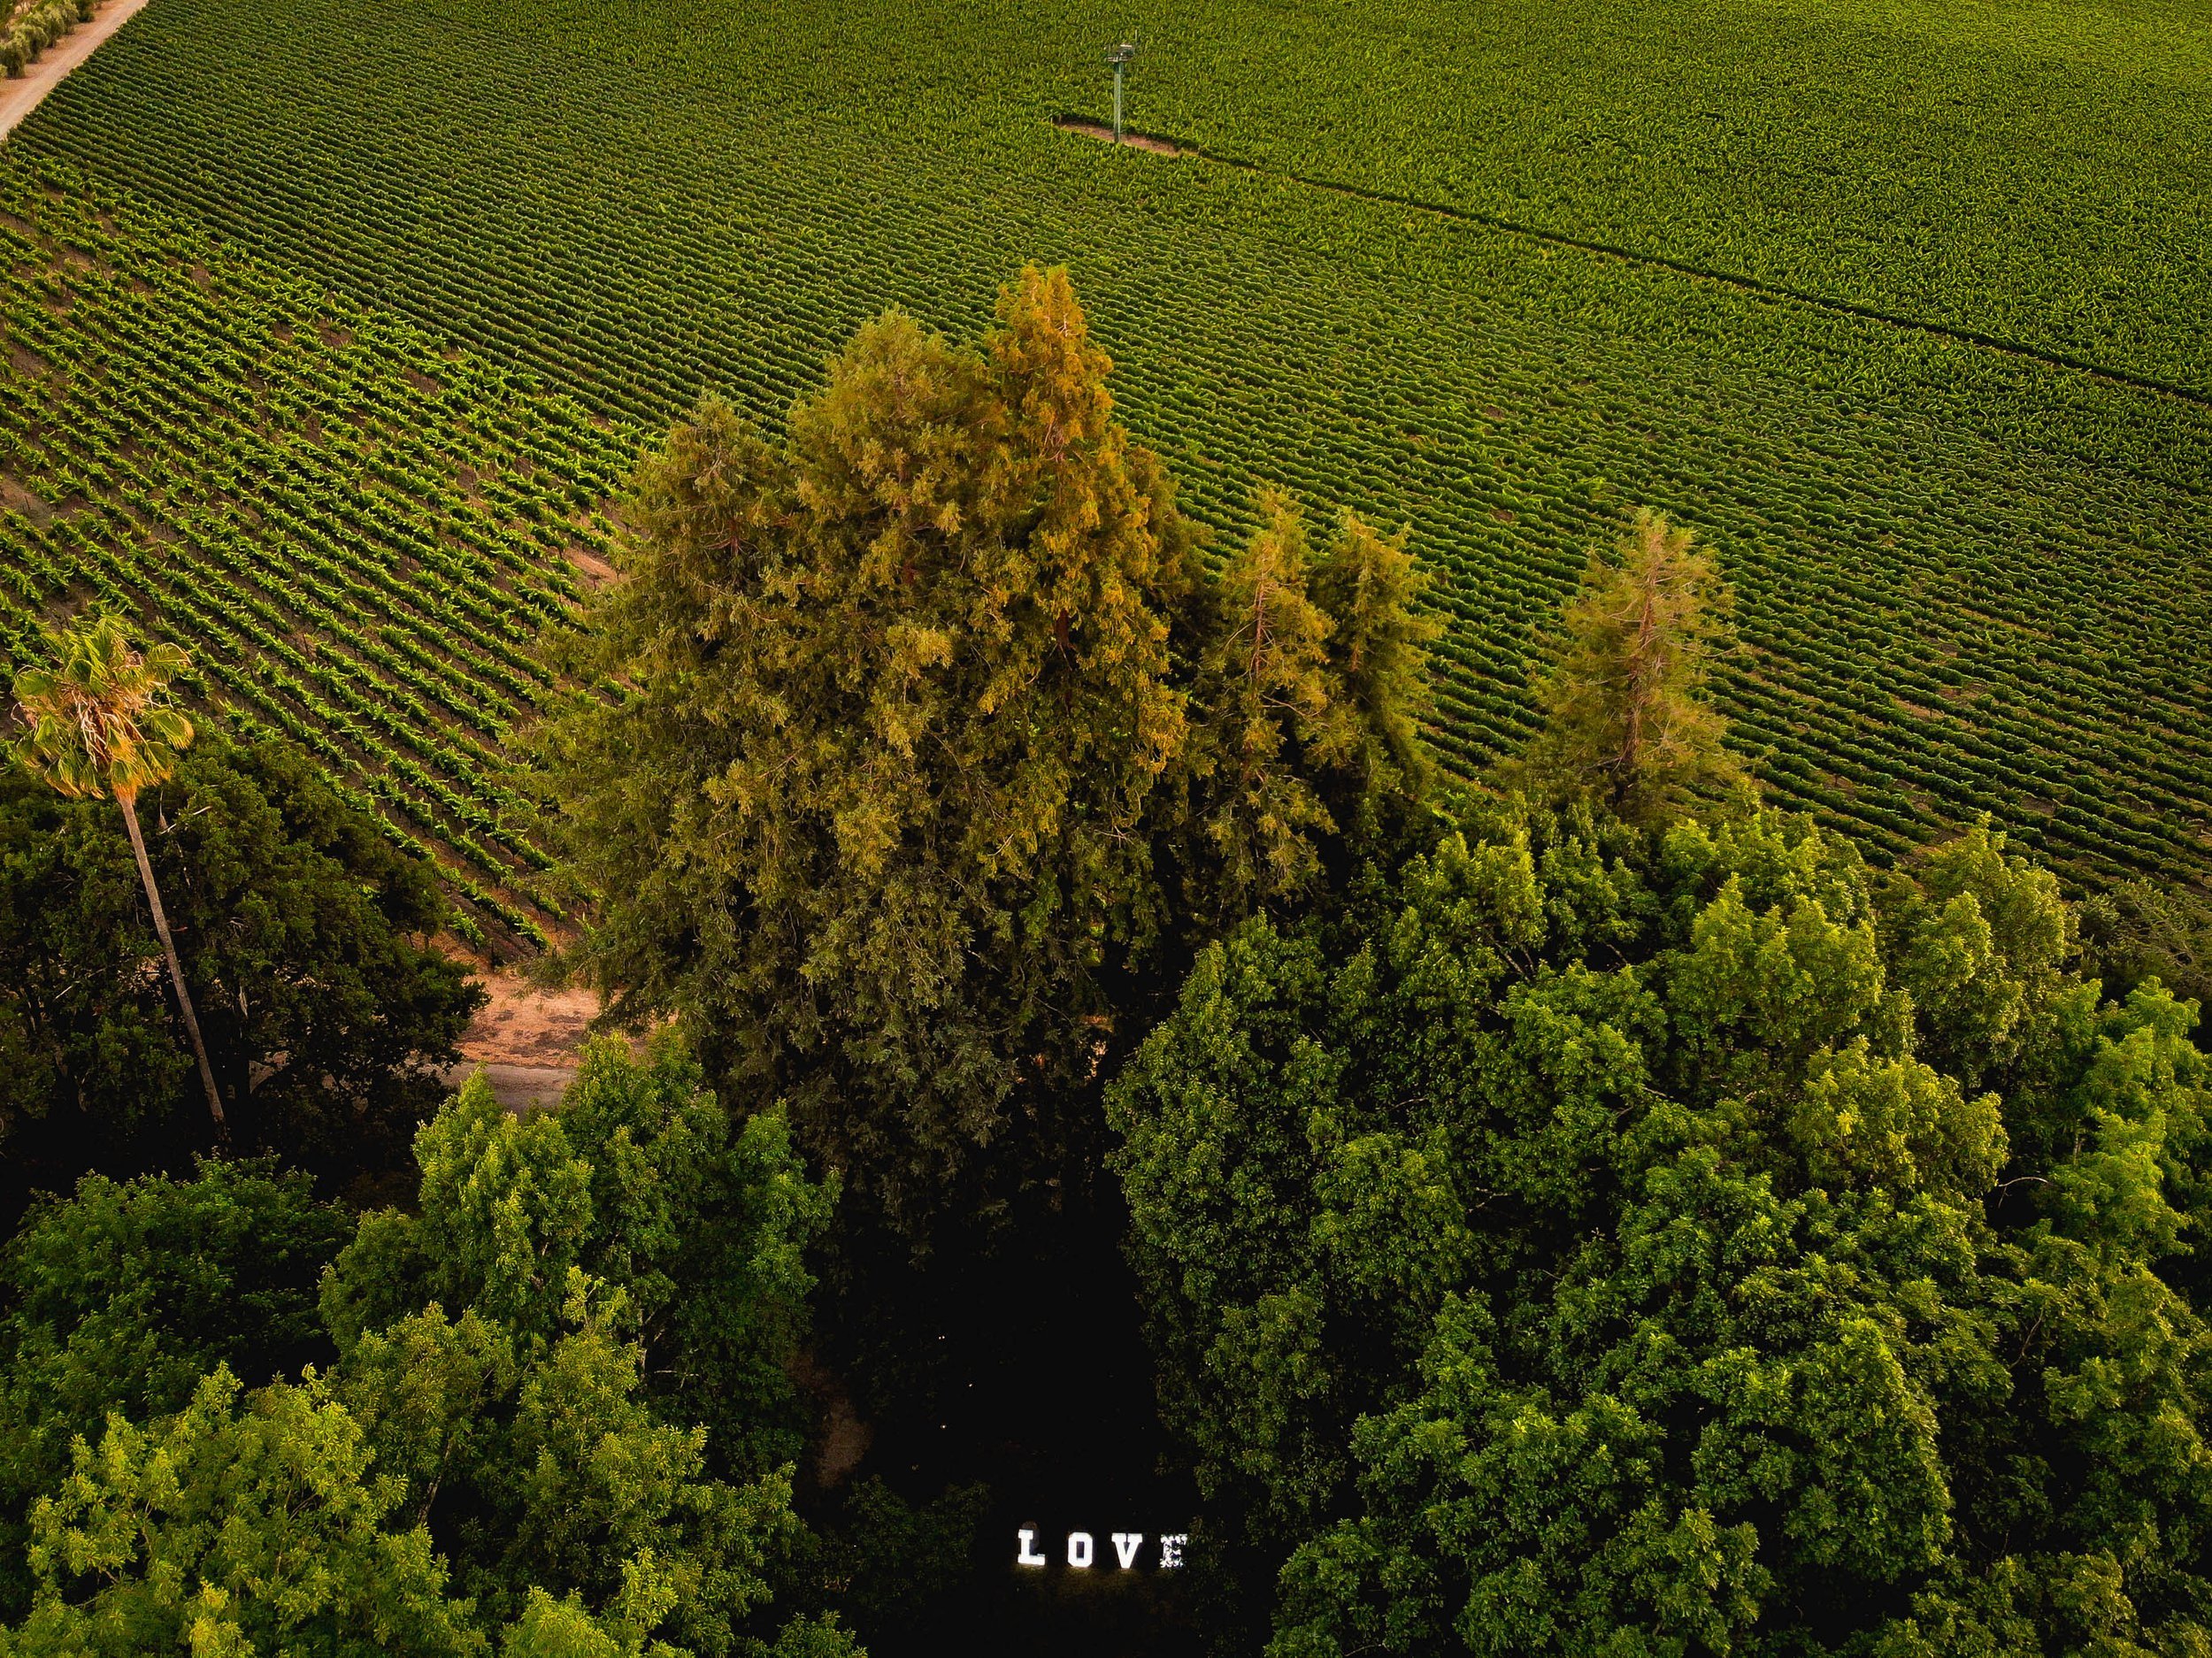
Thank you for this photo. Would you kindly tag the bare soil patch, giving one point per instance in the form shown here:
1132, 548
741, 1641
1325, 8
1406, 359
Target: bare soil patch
14, 496
596, 570
524, 1025
1130, 140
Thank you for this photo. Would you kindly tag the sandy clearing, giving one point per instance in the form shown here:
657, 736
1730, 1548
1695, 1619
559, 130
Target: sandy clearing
524, 1025
526, 1041
18, 99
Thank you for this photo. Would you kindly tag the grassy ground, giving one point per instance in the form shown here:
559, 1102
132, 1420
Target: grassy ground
1972, 578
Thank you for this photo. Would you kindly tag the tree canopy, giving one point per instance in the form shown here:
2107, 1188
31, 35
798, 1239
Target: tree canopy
507, 1448
1685, 1241
934, 741
1626, 719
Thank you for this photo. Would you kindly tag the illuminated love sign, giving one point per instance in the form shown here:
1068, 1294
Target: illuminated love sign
1083, 1549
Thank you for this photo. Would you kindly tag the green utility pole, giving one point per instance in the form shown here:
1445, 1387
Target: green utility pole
1119, 56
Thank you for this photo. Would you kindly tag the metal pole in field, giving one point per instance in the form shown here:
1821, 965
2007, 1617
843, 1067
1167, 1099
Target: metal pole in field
1119, 56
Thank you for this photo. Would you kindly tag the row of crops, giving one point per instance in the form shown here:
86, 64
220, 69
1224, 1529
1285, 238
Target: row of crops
2037, 172
356, 536
1968, 582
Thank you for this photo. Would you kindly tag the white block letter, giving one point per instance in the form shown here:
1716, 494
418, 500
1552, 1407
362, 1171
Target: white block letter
1126, 1544
1027, 1555
1080, 1548
1171, 1549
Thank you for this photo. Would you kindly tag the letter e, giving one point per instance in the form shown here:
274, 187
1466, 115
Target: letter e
1171, 1550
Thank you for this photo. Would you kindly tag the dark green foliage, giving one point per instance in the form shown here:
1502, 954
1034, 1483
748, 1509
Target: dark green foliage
1613, 1243
123, 1296
2139, 930
305, 939
900, 1572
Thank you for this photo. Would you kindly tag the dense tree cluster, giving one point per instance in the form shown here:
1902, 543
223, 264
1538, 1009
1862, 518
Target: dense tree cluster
1576, 1212
301, 930
1686, 1240
553, 1415
936, 743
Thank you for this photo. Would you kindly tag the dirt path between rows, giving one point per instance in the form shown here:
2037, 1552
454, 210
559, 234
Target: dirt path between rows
18, 99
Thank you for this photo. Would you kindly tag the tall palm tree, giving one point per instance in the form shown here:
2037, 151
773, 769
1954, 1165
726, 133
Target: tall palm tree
99, 723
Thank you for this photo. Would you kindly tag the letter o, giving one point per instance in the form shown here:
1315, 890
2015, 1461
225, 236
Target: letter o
1081, 1551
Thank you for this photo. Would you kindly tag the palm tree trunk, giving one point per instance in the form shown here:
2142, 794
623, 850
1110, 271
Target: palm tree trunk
176, 968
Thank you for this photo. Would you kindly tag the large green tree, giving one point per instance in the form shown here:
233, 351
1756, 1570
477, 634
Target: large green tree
1685, 1241
573, 1349
928, 732
302, 933
557, 1418
122, 1296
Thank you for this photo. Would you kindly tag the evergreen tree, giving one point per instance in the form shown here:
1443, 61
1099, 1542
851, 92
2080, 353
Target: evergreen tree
1626, 720
1270, 718
923, 718
1371, 588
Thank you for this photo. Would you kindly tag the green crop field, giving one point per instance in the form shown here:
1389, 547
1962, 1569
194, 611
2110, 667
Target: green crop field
357, 534
1902, 309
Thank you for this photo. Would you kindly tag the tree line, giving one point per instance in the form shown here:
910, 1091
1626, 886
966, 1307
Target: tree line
1579, 1209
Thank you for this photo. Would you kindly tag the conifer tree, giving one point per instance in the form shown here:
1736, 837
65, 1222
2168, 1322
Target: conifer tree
939, 749
1626, 719
870, 815
1370, 585
1269, 683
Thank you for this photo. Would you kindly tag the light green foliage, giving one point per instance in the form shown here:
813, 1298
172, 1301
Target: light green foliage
1380, 643
1967, 577
1684, 1242
640, 1181
572, 1352
489, 1452
120, 1298
100, 720
231, 1527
